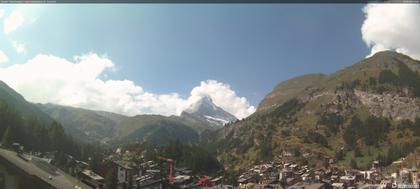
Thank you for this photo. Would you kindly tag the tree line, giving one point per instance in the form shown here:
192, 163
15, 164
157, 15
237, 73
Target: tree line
405, 78
36, 136
198, 159
372, 131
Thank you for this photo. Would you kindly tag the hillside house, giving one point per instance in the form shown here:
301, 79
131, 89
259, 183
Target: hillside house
92, 179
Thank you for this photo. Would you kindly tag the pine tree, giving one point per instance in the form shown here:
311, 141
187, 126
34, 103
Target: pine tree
353, 163
7, 138
57, 136
349, 137
339, 155
111, 179
357, 151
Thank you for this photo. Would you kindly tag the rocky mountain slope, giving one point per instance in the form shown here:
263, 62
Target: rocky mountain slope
159, 131
110, 128
106, 127
355, 113
86, 125
205, 111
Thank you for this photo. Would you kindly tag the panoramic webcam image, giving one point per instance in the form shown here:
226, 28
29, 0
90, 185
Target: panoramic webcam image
209, 96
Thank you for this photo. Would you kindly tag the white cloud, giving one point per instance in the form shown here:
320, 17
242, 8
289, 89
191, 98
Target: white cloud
223, 96
3, 57
1, 13
19, 47
13, 21
47, 78
392, 27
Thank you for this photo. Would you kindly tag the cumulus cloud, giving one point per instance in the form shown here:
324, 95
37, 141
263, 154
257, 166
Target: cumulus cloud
223, 96
78, 83
392, 27
13, 21
3, 57
1, 13
19, 47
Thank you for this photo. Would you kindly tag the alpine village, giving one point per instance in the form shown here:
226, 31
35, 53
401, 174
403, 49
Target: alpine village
358, 127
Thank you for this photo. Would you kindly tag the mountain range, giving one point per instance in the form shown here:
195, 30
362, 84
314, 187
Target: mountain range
367, 111
104, 127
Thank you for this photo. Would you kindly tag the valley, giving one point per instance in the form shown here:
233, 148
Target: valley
316, 127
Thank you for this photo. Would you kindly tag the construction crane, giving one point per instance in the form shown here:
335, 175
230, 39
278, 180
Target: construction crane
171, 168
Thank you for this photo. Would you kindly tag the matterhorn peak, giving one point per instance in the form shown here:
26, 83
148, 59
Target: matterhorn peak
205, 109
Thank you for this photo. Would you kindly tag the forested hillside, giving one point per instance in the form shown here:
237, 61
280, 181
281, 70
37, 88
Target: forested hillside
36, 135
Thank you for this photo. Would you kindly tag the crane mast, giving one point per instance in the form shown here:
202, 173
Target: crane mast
171, 169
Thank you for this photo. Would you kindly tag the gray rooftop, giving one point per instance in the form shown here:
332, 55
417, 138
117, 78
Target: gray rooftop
300, 185
42, 171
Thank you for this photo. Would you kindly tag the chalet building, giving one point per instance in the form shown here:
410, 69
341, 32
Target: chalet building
92, 179
348, 180
21, 171
414, 176
285, 173
125, 174
338, 185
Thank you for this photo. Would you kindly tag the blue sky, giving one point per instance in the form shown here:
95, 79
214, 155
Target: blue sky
172, 48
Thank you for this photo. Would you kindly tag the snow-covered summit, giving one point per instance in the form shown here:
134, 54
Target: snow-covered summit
206, 110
